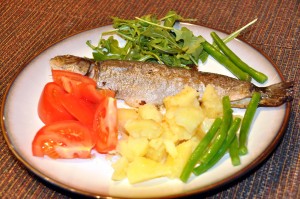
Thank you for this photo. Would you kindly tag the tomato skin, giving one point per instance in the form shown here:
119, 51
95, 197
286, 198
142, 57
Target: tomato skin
92, 94
63, 139
59, 75
50, 108
80, 109
105, 126
81, 86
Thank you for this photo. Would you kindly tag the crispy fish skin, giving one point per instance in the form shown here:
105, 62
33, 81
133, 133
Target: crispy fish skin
138, 83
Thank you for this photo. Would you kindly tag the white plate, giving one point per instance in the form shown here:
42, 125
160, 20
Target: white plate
93, 177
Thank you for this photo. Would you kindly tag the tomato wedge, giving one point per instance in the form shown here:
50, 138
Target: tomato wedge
81, 86
91, 93
60, 75
50, 108
105, 125
81, 109
63, 139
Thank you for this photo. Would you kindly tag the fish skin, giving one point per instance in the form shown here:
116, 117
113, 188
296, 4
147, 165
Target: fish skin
138, 83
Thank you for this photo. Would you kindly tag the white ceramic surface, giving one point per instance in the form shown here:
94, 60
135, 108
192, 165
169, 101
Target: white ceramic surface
93, 176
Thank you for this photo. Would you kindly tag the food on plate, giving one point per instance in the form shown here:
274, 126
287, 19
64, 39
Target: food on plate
231, 136
247, 121
63, 139
143, 82
150, 39
77, 117
258, 76
50, 108
155, 143
190, 134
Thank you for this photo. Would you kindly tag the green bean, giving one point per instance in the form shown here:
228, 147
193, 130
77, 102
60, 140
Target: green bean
246, 123
258, 76
222, 133
234, 152
225, 61
231, 134
194, 158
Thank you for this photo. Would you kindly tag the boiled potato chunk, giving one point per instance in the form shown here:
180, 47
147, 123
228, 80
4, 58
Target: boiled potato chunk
157, 144
156, 150
184, 121
176, 165
124, 115
180, 132
143, 128
211, 103
188, 117
187, 97
170, 148
150, 111
120, 169
142, 169
133, 147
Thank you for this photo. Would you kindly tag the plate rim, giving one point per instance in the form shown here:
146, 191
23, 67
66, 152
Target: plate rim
258, 161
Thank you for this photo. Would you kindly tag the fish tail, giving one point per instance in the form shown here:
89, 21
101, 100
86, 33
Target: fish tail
276, 94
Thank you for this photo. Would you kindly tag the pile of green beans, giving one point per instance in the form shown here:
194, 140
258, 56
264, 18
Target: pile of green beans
222, 137
200, 149
231, 61
234, 127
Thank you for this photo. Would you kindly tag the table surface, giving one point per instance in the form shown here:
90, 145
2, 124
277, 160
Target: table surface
27, 27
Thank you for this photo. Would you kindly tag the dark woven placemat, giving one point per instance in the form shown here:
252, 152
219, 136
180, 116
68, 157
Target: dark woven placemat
27, 27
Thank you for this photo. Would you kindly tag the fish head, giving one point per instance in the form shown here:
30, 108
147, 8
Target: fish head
72, 64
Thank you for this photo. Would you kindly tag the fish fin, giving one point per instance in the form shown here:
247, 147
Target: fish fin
276, 94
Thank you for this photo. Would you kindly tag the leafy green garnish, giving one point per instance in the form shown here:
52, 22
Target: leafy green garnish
148, 38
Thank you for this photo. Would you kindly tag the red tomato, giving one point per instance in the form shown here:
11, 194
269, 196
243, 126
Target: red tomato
92, 94
81, 86
63, 139
81, 109
50, 108
105, 126
59, 76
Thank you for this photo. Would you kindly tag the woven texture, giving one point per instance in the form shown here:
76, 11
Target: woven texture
27, 27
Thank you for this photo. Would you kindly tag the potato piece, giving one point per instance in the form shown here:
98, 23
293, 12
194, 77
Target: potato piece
180, 132
211, 103
177, 164
120, 169
143, 128
168, 134
150, 111
187, 117
142, 169
187, 97
124, 115
133, 147
170, 148
156, 150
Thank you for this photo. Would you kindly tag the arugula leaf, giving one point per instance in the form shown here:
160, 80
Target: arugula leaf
148, 38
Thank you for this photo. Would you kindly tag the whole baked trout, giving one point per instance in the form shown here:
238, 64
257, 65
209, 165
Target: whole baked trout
138, 83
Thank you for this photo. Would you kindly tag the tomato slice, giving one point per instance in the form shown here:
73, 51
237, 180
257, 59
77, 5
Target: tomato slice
92, 94
50, 108
81, 86
81, 109
105, 125
63, 139
60, 75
